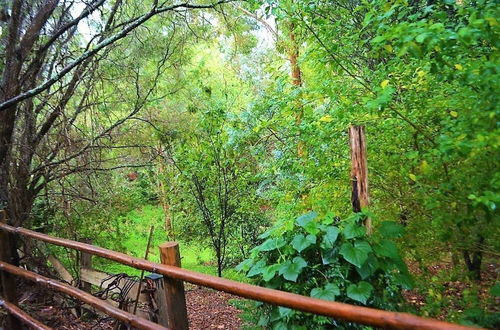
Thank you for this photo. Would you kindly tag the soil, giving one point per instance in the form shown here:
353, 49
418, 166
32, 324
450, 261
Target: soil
210, 309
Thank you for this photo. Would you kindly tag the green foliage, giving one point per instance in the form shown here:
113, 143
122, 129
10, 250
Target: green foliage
222, 129
312, 256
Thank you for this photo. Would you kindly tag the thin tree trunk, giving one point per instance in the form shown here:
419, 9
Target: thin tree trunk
359, 172
296, 75
474, 264
7, 280
169, 228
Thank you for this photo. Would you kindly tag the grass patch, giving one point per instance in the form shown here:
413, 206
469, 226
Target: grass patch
132, 239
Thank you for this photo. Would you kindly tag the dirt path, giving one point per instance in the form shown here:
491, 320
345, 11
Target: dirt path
209, 309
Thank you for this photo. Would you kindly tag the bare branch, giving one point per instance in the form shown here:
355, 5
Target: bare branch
106, 42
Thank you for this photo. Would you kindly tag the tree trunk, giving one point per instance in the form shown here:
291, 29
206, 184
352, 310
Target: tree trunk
169, 228
7, 280
359, 172
296, 74
474, 264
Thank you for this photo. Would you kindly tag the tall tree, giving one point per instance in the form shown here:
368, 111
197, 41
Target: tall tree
46, 59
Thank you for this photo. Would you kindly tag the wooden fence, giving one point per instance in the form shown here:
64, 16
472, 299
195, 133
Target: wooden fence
173, 277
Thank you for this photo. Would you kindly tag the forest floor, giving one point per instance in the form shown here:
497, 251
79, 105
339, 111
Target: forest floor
210, 309
449, 296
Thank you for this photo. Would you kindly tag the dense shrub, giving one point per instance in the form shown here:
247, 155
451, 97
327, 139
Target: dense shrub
324, 258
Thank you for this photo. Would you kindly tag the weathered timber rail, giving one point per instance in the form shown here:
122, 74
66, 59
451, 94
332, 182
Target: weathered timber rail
337, 310
125, 317
22, 316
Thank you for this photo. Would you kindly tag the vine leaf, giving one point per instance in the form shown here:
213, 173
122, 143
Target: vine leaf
272, 244
354, 230
303, 220
300, 242
331, 236
292, 269
355, 254
329, 292
360, 292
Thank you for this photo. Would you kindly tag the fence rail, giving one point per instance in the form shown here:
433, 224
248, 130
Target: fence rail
125, 317
22, 316
337, 310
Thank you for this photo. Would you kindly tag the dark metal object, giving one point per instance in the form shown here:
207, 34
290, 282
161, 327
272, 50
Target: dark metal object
87, 298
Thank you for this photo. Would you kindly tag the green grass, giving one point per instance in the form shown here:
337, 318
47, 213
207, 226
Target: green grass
133, 238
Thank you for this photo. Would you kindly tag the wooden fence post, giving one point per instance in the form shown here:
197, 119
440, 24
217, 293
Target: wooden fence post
8, 280
86, 262
174, 289
359, 172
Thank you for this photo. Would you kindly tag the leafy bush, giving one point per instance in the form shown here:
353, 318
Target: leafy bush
326, 259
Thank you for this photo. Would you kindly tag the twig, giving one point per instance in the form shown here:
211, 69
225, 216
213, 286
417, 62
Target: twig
142, 272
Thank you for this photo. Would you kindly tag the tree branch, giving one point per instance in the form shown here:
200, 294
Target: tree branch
106, 42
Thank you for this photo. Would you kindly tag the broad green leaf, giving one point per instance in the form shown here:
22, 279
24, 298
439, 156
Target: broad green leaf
331, 236
272, 244
269, 272
280, 326
360, 292
387, 248
301, 242
244, 265
266, 234
329, 256
280, 313
329, 292
257, 268
263, 321
356, 254
312, 227
421, 37
285, 311
292, 269
368, 268
353, 230
303, 220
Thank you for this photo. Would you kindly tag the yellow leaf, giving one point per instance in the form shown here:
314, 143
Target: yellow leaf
491, 20
454, 114
388, 48
459, 67
424, 167
413, 177
326, 119
384, 83
420, 73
